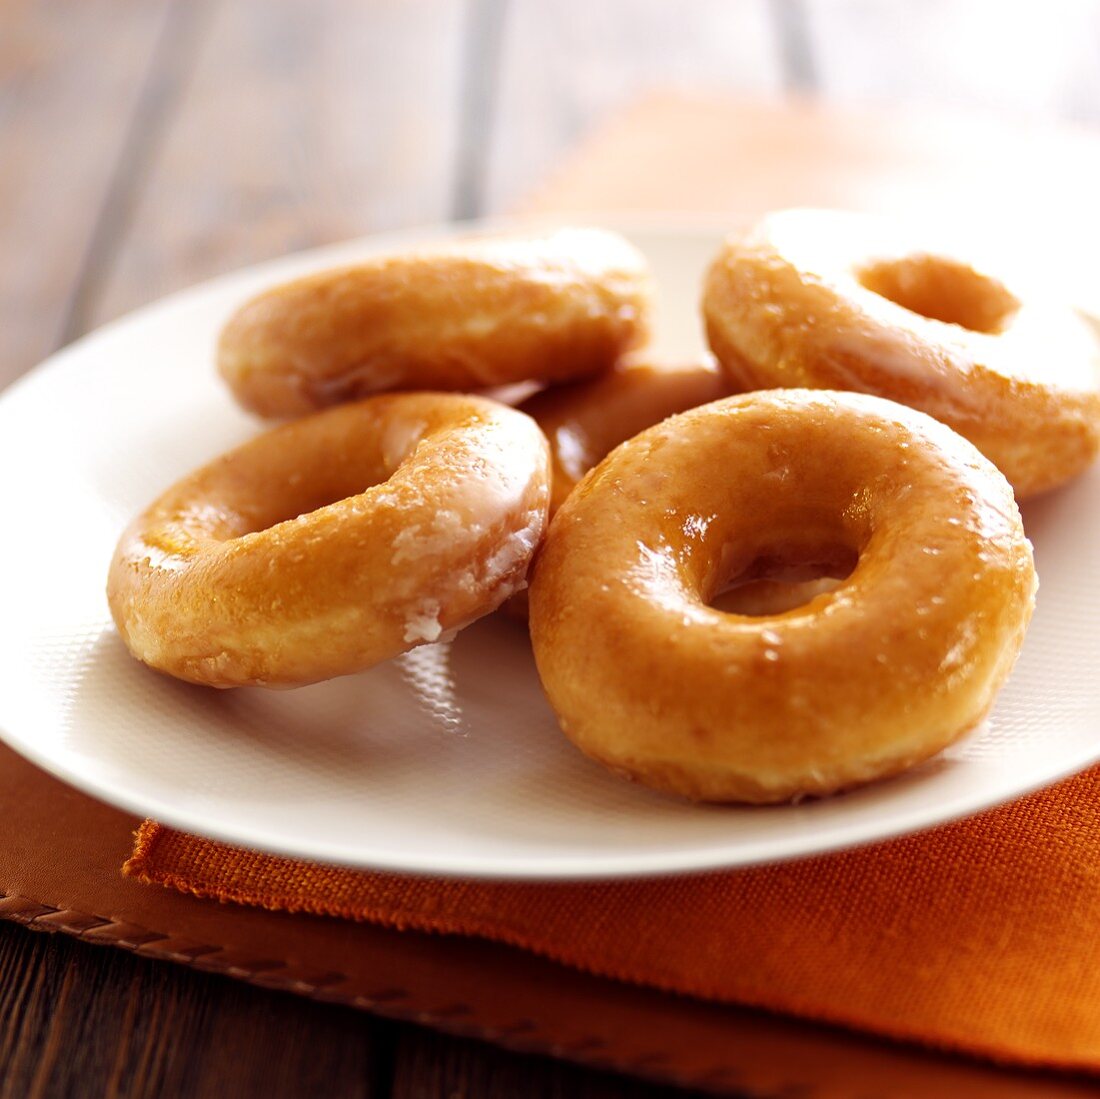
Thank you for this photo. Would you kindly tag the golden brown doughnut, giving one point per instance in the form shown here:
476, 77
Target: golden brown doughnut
835, 300
477, 313
584, 421
335, 542
903, 657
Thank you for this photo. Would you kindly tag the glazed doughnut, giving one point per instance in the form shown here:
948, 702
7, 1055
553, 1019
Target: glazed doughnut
335, 542
584, 421
896, 662
833, 300
467, 315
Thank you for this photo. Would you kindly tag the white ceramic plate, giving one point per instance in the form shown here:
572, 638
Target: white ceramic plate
447, 761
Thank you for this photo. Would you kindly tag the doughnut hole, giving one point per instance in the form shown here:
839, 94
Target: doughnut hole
777, 583
248, 493
942, 289
756, 571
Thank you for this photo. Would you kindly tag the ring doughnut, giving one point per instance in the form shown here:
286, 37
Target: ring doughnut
860, 682
334, 542
831, 300
469, 315
584, 421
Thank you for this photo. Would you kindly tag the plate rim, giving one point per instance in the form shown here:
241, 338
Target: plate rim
737, 855
563, 869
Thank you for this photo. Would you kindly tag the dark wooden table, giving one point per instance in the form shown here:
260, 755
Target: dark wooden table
147, 144
78, 1020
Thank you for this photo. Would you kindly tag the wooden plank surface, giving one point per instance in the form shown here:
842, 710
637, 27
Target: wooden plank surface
81, 1021
69, 93
296, 123
84, 1021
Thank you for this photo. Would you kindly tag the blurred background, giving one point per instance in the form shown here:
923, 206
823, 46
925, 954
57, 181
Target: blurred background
146, 144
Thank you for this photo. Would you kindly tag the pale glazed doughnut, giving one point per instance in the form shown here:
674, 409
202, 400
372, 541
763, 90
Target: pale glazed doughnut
863, 681
467, 315
333, 543
837, 300
585, 421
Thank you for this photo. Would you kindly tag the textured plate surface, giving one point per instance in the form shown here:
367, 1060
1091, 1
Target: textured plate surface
447, 761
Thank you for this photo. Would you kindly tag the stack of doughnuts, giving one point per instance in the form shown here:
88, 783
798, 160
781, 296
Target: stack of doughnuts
377, 520
782, 573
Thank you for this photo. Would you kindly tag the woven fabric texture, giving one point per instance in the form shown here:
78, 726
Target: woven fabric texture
981, 936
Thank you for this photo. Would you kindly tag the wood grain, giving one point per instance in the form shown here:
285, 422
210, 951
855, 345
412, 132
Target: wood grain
72, 77
427, 1066
80, 1021
483, 42
301, 122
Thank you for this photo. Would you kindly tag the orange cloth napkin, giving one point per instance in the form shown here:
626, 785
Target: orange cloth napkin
981, 936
